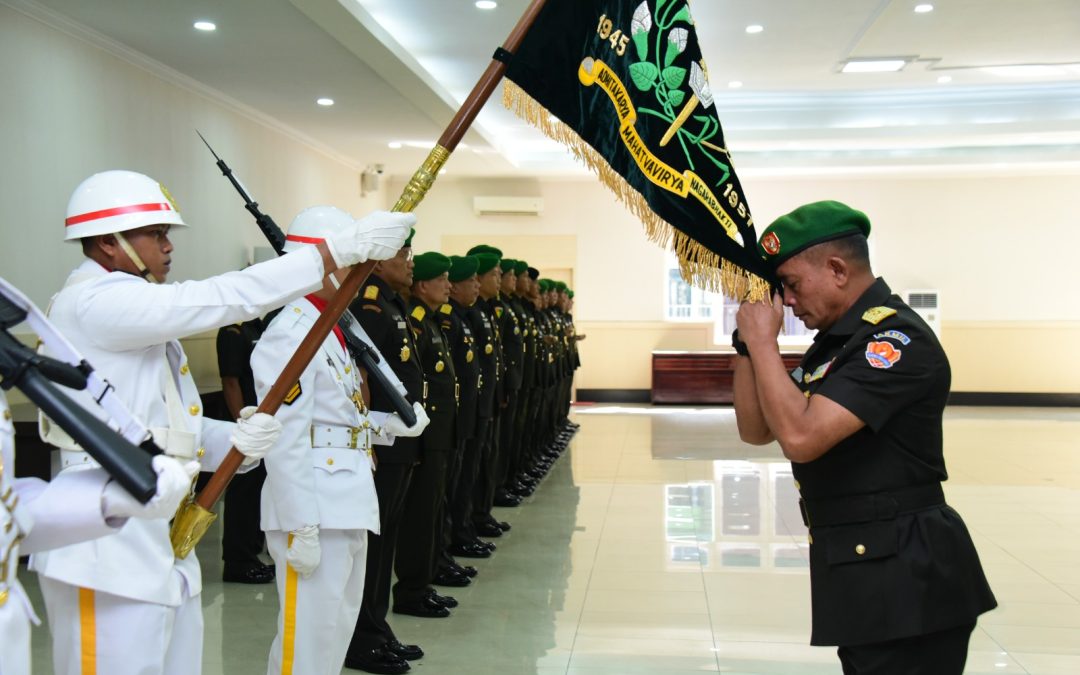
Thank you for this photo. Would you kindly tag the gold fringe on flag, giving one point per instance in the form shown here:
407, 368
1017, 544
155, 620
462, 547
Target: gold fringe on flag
698, 265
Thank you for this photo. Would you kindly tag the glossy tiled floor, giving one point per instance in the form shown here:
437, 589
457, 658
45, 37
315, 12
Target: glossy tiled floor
660, 544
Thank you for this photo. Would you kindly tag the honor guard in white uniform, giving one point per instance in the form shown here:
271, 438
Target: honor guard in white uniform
37, 516
319, 501
126, 604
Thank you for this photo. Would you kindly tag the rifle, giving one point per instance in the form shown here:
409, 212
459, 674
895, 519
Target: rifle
355, 336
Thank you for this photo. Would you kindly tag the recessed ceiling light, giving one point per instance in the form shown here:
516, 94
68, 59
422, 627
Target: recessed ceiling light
944, 79
874, 66
205, 25
394, 145
325, 101
923, 9
486, 4
754, 28
734, 84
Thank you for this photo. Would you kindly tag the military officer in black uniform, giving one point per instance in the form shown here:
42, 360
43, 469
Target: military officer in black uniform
464, 290
242, 539
518, 481
895, 579
417, 552
382, 312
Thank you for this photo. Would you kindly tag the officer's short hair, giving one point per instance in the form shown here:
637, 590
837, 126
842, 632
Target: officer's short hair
854, 249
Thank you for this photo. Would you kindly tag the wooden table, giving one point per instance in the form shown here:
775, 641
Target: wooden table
704, 377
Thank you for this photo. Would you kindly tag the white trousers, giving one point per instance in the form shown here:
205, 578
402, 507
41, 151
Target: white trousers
318, 614
15, 636
96, 633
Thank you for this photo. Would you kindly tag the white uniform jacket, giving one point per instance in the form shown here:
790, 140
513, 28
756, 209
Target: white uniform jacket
36, 516
313, 476
129, 330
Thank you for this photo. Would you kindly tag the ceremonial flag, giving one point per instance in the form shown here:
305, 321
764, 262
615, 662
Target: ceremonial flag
624, 85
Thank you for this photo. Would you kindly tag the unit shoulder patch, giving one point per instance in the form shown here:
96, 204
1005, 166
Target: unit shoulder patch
371, 292
446, 308
876, 315
418, 313
882, 355
293, 394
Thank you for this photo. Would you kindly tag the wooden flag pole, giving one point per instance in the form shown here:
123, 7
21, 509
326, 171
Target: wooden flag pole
195, 515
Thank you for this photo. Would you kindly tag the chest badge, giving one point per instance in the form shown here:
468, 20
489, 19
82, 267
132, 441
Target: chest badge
882, 355
405, 353
488, 348
469, 356
440, 366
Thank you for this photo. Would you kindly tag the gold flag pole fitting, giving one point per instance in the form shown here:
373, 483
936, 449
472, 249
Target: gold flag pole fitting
195, 515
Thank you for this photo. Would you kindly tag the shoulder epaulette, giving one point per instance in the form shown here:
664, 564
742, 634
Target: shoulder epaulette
371, 308
371, 292
446, 308
419, 313
876, 315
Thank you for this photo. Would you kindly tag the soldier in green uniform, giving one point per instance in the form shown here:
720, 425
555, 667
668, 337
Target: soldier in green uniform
382, 312
464, 289
895, 580
417, 554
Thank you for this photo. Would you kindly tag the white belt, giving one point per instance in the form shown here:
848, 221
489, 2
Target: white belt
178, 444
69, 458
351, 438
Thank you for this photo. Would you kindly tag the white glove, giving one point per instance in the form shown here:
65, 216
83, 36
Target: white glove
377, 236
396, 426
173, 484
304, 551
255, 434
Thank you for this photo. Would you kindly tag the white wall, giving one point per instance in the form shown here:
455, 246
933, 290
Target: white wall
70, 109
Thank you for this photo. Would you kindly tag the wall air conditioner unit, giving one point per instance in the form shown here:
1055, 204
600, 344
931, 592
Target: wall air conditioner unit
927, 304
508, 206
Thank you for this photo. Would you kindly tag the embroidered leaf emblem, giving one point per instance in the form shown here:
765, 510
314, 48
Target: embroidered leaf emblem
676, 97
674, 76
644, 75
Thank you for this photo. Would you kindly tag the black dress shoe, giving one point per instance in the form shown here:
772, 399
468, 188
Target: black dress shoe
467, 570
485, 545
449, 577
378, 660
502, 498
503, 525
247, 573
470, 551
407, 652
489, 529
426, 608
447, 601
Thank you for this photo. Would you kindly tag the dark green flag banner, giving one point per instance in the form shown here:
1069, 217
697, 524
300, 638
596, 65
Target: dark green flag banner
624, 85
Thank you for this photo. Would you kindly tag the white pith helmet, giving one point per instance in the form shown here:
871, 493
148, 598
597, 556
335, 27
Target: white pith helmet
118, 201
314, 224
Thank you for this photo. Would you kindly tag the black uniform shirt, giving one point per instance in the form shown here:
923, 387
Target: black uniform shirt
234, 346
511, 338
382, 313
882, 565
479, 320
438, 364
466, 364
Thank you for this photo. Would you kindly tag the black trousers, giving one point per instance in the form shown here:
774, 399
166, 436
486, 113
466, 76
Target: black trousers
416, 554
462, 506
484, 490
372, 630
242, 539
507, 451
941, 653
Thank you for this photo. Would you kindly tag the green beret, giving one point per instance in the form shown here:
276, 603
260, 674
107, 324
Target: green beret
570, 294
807, 226
507, 265
560, 286
429, 265
487, 262
484, 248
462, 267
408, 242
545, 285
520, 267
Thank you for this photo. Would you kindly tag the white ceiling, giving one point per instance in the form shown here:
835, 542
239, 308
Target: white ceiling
398, 69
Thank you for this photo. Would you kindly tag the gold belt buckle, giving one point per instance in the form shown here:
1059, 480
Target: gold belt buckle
354, 434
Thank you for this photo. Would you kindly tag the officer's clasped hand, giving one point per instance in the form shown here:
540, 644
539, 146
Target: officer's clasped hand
304, 551
255, 434
377, 236
396, 426
173, 484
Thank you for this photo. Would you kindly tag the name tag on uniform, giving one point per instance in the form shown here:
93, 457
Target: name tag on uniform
401, 325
